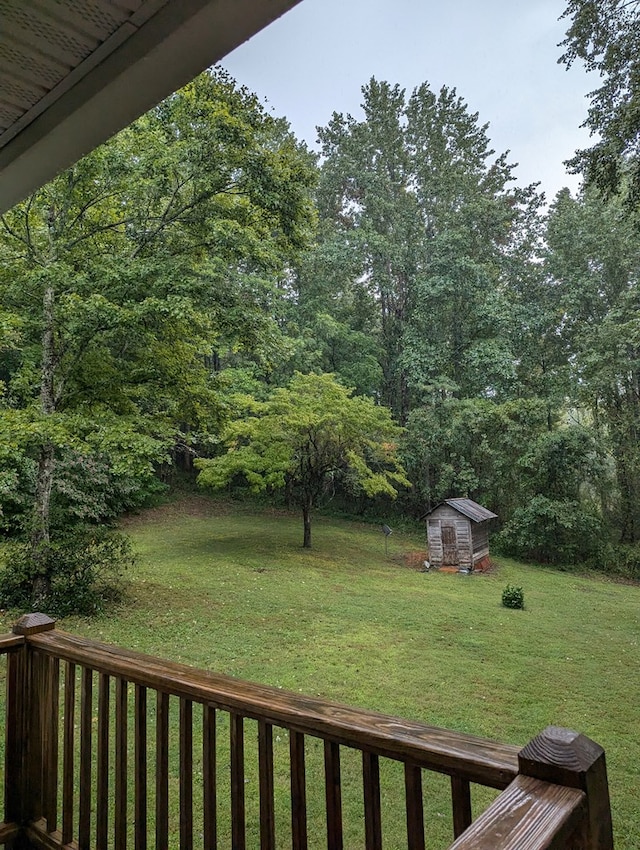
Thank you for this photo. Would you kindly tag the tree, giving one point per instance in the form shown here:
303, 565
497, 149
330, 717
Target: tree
605, 35
111, 286
421, 219
594, 261
329, 320
307, 438
471, 447
427, 252
559, 521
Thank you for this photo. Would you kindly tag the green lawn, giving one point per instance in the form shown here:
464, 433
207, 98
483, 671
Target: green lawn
231, 589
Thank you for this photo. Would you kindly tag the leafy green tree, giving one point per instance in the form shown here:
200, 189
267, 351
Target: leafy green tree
420, 219
594, 261
560, 464
428, 253
471, 447
553, 531
122, 279
329, 321
558, 520
306, 439
605, 35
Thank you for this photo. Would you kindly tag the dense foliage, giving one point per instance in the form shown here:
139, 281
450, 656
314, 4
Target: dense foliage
309, 439
392, 318
605, 36
86, 567
114, 288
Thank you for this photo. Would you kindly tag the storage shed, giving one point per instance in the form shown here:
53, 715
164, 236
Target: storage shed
457, 534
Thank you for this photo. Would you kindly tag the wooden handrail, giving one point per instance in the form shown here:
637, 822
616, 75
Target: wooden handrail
8, 831
554, 791
10, 642
529, 815
455, 753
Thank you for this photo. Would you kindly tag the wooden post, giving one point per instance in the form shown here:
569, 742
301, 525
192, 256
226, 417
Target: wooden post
15, 731
32, 624
25, 767
568, 758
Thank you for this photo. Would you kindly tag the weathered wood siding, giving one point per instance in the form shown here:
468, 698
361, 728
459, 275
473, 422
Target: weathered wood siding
480, 542
446, 517
471, 539
434, 541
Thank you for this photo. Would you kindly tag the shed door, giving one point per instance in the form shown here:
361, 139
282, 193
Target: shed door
449, 547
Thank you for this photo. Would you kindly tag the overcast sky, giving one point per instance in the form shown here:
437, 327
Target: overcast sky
500, 55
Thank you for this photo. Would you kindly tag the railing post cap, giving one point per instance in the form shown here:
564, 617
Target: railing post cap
557, 751
564, 757
31, 624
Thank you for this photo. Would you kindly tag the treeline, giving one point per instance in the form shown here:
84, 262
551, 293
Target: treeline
204, 257
502, 334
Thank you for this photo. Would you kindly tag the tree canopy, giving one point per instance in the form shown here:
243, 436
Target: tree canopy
115, 289
417, 215
307, 439
203, 287
605, 35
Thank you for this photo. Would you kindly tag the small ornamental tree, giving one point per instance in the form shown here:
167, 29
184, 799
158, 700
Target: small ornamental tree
305, 437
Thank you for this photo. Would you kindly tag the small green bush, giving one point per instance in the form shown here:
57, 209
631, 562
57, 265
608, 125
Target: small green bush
551, 532
83, 573
513, 597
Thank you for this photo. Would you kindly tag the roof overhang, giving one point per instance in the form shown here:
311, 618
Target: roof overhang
73, 73
467, 507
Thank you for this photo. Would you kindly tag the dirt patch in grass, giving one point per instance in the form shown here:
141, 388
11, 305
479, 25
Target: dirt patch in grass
201, 507
416, 560
189, 506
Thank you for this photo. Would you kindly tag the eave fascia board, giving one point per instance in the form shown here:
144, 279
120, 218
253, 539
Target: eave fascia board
167, 51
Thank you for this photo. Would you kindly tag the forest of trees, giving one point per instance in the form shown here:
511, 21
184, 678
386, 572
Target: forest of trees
161, 300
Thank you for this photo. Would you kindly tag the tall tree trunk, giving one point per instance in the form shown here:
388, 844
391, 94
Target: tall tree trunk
306, 517
622, 418
40, 531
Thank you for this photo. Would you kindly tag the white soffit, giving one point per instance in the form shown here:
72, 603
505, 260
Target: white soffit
74, 72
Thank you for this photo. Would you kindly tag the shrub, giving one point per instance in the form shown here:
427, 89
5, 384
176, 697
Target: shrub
513, 597
621, 559
552, 531
88, 490
82, 573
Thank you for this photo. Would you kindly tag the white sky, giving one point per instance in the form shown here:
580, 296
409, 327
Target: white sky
500, 55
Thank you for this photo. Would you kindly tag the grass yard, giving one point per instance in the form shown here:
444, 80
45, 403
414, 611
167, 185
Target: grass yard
230, 589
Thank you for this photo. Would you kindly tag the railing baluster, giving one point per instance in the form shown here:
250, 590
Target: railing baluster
372, 817
16, 738
333, 793
461, 804
209, 779
86, 712
102, 778
186, 775
34, 737
162, 772
50, 714
68, 742
560, 791
140, 756
238, 831
298, 792
120, 814
415, 813
267, 808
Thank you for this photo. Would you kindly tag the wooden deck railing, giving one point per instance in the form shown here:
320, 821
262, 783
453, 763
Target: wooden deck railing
83, 771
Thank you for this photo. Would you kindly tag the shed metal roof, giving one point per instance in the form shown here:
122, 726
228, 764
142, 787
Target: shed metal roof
468, 508
74, 72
